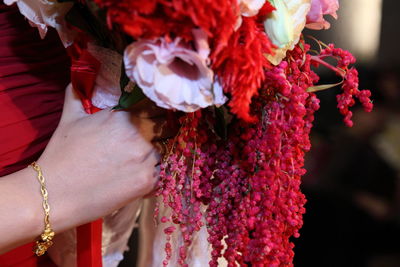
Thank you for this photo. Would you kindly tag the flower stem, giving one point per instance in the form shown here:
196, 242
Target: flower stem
338, 71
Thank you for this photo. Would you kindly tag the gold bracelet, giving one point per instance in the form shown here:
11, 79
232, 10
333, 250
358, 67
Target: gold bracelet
46, 238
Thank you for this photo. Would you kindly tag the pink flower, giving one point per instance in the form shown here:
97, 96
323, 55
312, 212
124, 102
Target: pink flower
173, 74
319, 8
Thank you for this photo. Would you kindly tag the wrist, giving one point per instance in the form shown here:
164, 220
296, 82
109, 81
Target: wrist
32, 211
21, 202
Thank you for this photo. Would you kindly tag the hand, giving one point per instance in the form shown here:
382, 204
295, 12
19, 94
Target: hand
94, 164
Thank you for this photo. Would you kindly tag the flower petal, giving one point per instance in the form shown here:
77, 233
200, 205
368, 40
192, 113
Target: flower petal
319, 8
172, 74
284, 26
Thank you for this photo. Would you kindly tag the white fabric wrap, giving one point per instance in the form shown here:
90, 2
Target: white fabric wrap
107, 90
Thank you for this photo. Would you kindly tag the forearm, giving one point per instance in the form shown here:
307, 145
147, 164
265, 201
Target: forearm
20, 208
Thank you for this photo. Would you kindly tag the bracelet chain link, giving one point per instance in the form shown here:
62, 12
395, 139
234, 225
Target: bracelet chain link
47, 236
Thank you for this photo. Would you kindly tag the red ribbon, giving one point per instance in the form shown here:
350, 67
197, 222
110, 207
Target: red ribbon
84, 69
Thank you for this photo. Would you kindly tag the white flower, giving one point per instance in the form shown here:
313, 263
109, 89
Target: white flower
43, 13
172, 74
284, 26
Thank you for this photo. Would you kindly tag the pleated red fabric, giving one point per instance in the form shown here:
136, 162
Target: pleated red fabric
33, 77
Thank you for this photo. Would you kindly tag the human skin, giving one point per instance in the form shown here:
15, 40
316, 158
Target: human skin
93, 165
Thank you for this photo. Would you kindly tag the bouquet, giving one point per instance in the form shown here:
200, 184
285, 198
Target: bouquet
238, 77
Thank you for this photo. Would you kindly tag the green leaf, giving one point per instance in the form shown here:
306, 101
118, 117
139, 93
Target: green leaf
322, 87
127, 99
301, 46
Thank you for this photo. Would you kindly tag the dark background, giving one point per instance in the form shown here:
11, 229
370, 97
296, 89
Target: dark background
353, 179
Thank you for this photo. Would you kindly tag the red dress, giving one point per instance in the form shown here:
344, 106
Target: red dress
33, 77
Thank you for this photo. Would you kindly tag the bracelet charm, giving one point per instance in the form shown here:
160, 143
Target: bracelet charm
46, 238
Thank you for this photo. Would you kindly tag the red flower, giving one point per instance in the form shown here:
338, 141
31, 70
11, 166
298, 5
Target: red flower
156, 18
240, 66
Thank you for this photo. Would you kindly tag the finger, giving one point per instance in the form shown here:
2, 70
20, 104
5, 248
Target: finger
73, 108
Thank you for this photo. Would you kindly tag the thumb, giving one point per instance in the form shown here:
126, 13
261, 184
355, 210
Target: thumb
73, 109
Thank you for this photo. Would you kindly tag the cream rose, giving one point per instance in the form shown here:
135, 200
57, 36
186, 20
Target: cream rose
173, 74
284, 26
